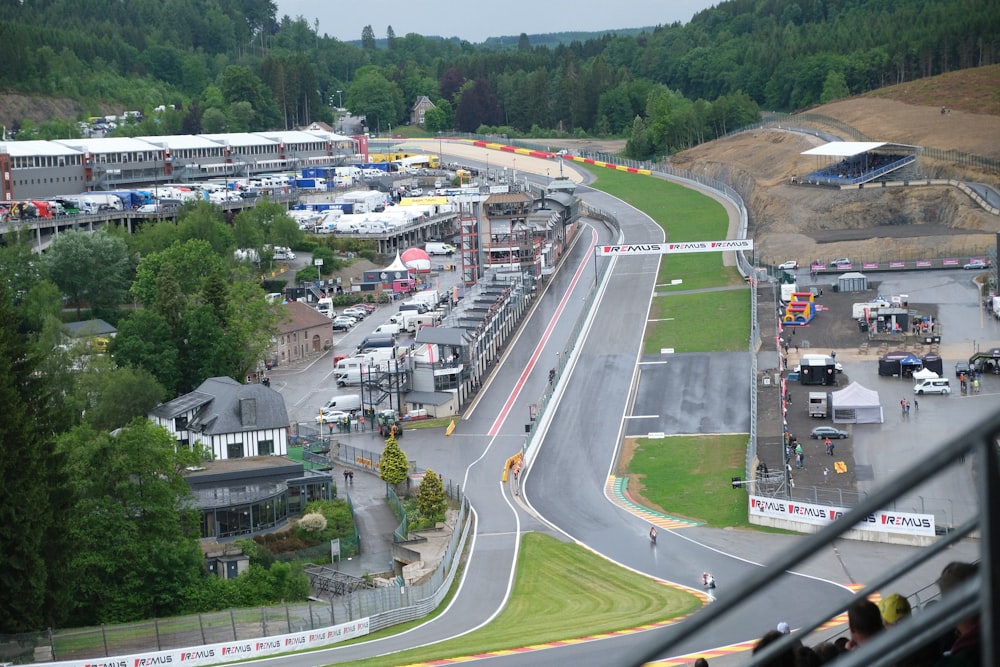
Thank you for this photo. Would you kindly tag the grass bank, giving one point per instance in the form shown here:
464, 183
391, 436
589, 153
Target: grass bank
689, 476
562, 591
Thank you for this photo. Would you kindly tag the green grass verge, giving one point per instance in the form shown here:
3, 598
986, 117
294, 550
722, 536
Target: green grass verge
561, 591
689, 476
708, 322
433, 422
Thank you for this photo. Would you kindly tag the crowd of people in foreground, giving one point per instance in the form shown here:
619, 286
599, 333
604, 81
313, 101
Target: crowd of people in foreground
957, 648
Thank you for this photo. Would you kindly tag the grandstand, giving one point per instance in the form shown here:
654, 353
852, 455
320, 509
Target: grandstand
851, 163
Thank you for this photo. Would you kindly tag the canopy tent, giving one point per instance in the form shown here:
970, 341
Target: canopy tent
909, 365
888, 365
925, 374
855, 404
934, 363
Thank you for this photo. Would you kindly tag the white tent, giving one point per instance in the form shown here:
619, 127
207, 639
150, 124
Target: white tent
855, 404
925, 374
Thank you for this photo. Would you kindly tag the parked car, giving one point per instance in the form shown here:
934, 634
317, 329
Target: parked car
821, 432
962, 367
356, 312
975, 264
343, 323
790, 265
368, 307
331, 416
842, 260
794, 376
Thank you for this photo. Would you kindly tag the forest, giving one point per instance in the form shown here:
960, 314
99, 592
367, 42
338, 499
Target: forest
235, 65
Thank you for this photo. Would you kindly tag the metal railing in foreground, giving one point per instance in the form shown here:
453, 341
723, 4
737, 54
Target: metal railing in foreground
977, 596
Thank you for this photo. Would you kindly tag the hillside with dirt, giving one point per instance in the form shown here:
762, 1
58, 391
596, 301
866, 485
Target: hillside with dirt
804, 223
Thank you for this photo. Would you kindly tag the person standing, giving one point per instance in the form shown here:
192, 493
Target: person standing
829, 446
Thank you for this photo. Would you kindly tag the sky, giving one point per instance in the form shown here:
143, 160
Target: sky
476, 22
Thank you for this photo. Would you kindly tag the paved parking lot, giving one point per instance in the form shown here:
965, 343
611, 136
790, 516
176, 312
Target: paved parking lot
875, 452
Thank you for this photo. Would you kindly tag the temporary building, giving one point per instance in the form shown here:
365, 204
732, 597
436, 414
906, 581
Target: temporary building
855, 404
852, 282
818, 369
416, 260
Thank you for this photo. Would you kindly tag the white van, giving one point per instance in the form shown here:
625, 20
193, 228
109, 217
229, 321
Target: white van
388, 328
348, 376
933, 386
437, 248
345, 403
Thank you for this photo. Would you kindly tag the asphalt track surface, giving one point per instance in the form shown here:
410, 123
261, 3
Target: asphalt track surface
566, 482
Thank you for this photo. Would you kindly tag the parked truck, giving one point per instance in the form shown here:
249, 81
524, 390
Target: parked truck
431, 297
819, 404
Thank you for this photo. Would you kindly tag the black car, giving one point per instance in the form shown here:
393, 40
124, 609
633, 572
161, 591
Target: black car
827, 432
962, 367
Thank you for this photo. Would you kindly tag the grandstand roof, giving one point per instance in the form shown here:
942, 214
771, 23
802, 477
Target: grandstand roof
181, 141
292, 137
36, 148
109, 145
844, 148
241, 139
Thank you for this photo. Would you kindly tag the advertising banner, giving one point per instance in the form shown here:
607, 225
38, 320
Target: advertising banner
882, 521
212, 654
672, 248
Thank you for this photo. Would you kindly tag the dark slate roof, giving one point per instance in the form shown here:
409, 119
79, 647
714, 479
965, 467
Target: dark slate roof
442, 336
428, 397
90, 328
180, 405
230, 407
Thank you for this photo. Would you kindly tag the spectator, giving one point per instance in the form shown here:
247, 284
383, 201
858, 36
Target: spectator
701, 662
826, 651
785, 658
864, 621
893, 608
806, 657
966, 649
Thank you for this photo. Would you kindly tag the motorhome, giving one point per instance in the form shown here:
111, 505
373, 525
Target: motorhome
415, 322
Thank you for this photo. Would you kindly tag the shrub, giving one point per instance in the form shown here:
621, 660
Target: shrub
312, 523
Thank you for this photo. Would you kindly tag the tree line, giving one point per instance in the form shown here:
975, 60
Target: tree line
97, 524
234, 65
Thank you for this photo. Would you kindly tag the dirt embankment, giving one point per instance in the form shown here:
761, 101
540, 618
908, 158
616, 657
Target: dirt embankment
805, 223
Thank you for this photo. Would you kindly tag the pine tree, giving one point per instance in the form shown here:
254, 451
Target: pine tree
431, 500
394, 466
25, 503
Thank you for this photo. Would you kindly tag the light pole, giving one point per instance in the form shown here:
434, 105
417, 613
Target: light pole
340, 99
